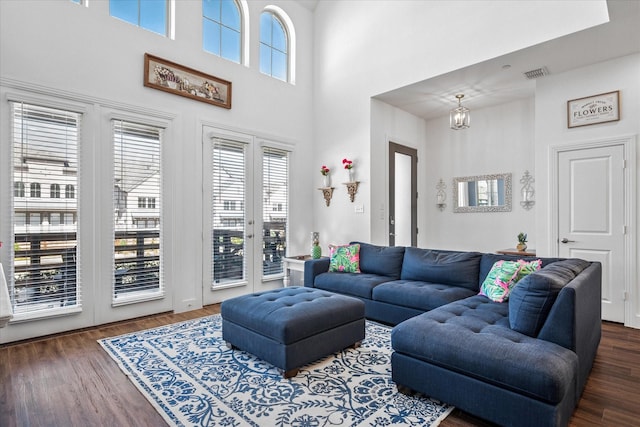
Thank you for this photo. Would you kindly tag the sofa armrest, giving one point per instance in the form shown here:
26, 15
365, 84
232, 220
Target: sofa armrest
312, 268
575, 319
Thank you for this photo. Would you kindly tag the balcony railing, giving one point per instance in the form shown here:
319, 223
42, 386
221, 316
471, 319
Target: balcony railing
45, 267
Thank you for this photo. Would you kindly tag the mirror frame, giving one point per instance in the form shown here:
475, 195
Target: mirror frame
466, 209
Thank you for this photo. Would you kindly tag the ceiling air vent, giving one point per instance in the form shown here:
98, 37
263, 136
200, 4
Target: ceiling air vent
538, 72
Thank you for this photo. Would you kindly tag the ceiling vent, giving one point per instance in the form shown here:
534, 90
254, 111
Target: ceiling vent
538, 72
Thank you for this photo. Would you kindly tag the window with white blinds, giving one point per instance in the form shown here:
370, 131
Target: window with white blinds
45, 265
137, 255
228, 211
275, 208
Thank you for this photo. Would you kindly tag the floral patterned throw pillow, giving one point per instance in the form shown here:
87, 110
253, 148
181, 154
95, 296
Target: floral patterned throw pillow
345, 259
527, 268
500, 280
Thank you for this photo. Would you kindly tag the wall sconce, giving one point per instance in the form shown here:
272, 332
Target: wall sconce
327, 193
441, 195
528, 193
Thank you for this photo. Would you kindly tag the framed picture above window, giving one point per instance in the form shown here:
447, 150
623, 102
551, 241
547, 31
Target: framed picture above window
180, 80
593, 109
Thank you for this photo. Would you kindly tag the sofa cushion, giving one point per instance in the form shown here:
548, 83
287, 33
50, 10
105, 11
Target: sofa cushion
345, 258
444, 267
473, 337
532, 297
488, 260
419, 295
354, 284
382, 260
500, 280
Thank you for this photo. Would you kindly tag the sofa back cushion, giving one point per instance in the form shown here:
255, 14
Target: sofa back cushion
443, 267
532, 297
381, 260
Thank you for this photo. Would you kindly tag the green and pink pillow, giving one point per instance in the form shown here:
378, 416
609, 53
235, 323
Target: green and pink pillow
345, 258
503, 278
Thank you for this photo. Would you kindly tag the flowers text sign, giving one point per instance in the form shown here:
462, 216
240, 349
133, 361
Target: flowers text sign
594, 109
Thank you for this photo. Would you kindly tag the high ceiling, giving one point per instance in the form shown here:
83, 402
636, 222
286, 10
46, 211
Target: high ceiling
502, 79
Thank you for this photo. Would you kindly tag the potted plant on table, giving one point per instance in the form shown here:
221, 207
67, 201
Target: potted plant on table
522, 242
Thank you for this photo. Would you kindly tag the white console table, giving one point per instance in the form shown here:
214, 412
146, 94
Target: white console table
295, 263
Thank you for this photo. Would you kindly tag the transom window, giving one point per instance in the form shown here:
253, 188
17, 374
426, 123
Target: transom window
221, 28
273, 46
151, 15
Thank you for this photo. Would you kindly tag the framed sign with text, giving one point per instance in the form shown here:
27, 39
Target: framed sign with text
593, 109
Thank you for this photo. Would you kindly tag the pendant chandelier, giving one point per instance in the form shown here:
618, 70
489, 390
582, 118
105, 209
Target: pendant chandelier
459, 117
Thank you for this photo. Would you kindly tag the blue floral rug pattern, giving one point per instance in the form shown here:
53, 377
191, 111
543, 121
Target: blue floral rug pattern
190, 376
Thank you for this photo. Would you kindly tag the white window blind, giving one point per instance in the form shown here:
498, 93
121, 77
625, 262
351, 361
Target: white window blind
228, 211
44, 155
275, 209
137, 255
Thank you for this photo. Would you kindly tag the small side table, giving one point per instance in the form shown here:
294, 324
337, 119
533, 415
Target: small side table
295, 263
514, 251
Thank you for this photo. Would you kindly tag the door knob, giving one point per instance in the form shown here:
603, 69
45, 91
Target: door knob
565, 240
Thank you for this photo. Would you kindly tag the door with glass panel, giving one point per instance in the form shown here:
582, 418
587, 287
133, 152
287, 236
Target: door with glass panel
245, 215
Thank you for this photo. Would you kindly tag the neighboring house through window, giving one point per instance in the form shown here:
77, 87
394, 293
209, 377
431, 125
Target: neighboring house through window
69, 191
54, 191
18, 189
34, 190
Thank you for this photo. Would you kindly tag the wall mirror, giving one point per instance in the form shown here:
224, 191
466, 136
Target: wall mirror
482, 193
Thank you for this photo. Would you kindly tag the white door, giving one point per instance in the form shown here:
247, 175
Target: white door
591, 222
245, 201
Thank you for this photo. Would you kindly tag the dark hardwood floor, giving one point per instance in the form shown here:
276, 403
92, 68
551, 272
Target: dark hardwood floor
68, 380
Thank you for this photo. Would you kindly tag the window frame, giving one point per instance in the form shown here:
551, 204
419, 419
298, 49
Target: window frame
133, 228
290, 34
64, 308
169, 24
220, 25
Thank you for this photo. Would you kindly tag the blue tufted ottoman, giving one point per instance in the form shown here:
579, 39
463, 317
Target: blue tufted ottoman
294, 326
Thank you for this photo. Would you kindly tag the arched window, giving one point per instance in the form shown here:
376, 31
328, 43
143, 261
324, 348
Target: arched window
34, 189
274, 46
222, 29
54, 191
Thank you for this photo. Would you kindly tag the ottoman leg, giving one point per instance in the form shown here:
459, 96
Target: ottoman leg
230, 346
356, 344
290, 373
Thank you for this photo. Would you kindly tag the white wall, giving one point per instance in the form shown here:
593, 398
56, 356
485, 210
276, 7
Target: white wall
364, 48
82, 56
552, 94
500, 140
392, 124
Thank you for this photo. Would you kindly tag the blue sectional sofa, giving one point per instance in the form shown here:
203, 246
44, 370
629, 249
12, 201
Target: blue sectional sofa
522, 362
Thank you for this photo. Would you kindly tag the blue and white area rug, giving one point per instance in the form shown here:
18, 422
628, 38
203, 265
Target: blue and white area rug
190, 376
